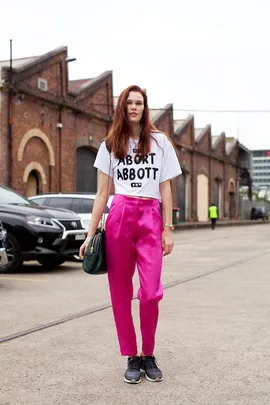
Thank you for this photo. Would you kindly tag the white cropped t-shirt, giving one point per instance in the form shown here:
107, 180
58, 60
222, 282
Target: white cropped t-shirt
138, 176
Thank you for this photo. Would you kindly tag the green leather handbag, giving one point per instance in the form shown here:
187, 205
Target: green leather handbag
94, 261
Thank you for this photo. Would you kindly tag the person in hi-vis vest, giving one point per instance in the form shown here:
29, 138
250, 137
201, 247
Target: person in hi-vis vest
213, 215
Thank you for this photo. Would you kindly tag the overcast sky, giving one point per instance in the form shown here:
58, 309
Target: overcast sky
197, 55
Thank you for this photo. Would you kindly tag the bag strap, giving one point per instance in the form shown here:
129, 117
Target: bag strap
108, 189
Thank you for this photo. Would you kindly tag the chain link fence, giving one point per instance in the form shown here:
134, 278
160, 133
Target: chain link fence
245, 207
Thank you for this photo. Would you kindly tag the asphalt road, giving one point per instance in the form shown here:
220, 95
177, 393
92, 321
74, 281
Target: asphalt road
58, 340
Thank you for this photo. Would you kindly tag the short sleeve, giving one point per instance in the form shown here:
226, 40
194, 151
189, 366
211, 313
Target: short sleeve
170, 167
103, 160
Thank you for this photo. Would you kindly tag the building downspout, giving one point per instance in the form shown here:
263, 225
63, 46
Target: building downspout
224, 191
59, 126
193, 181
1, 149
9, 118
238, 176
59, 129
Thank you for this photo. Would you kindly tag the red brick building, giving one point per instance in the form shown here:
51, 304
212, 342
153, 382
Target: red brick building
51, 129
210, 164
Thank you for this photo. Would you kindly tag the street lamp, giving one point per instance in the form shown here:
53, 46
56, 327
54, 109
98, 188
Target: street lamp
70, 59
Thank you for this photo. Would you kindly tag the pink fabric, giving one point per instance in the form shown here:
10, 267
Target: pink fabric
133, 236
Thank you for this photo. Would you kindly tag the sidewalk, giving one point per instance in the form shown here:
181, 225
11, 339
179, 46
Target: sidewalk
220, 223
212, 339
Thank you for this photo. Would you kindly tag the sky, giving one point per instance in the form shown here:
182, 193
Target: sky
197, 55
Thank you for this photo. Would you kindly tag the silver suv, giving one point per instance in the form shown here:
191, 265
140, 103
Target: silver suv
80, 203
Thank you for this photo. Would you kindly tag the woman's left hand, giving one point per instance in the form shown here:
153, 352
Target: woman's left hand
167, 241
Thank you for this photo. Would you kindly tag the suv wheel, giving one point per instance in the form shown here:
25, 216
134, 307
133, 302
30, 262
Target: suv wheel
13, 253
51, 262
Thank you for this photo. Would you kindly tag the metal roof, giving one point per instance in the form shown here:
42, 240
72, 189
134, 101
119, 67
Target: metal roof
215, 139
230, 143
177, 124
198, 132
17, 63
155, 112
77, 85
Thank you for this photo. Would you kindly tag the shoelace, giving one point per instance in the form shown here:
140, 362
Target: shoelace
133, 363
151, 362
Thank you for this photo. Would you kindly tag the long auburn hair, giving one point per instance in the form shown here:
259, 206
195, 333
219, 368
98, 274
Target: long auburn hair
121, 129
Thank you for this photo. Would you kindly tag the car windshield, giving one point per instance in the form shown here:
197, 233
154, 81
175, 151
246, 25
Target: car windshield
8, 196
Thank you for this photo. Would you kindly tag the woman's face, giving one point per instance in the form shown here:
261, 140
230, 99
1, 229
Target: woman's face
135, 106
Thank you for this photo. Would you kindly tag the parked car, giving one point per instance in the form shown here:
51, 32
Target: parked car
3, 252
81, 203
34, 232
258, 213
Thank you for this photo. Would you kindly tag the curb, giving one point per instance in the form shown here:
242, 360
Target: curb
220, 224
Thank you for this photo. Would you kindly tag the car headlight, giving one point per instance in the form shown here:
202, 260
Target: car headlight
82, 223
85, 224
41, 221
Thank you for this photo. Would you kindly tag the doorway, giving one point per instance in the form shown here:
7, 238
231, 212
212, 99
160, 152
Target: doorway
218, 196
86, 173
202, 197
182, 196
232, 200
33, 184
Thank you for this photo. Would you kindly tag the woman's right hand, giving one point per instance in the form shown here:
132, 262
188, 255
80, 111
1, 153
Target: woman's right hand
84, 246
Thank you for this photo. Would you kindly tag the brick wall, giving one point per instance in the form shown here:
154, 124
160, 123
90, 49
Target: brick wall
200, 158
40, 111
165, 122
165, 125
4, 139
98, 99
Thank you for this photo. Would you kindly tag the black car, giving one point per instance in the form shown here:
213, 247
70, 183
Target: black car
36, 232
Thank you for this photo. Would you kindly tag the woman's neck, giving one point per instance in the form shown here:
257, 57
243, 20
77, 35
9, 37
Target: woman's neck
136, 131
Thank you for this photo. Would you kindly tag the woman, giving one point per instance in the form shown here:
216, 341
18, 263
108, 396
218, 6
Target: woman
141, 161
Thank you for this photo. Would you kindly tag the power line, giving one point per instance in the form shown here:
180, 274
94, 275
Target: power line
225, 111
199, 110
194, 110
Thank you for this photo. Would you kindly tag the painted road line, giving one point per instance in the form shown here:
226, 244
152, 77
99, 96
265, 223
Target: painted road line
107, 305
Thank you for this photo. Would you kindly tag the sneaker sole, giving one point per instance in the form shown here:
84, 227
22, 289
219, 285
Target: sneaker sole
150, 379
132, 381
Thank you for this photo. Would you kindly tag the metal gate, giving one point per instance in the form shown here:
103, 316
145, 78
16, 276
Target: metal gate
86, 173
182, 196
232, 205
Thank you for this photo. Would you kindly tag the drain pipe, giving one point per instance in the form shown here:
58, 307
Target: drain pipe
59, 126
9, 143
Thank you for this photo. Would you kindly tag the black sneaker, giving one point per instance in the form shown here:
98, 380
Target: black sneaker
152, 372
133, 373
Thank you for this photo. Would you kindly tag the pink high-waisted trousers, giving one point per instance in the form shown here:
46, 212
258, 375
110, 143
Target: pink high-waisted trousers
133, 236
